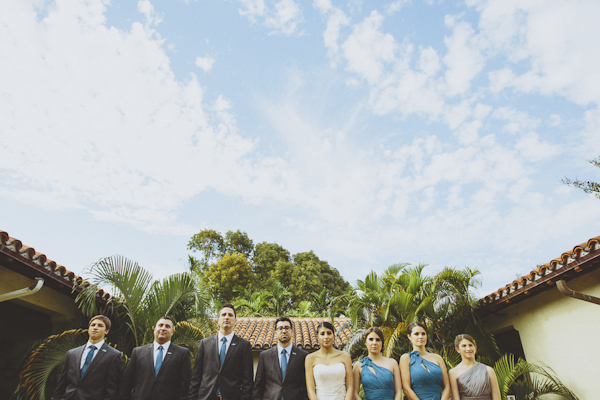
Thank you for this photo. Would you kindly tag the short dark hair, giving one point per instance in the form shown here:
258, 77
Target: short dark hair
228, 305
284, 319
414, 324
378, 332
462, 336
102, 318
167, 317
327, 325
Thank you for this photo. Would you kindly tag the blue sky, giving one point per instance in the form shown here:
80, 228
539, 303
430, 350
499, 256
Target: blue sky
372, 133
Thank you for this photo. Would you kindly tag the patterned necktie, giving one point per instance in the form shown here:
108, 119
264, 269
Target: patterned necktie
223, 350
88, 359
159, 359
283, 363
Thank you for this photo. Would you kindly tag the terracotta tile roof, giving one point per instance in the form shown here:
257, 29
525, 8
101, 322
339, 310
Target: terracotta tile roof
584, 257
260, 332
16, 256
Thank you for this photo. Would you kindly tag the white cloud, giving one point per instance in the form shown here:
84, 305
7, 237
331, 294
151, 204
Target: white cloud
102, 123
205, 63
283, 16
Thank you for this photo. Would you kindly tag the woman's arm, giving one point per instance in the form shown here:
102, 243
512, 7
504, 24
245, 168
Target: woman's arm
454, 384
405, 376
356, 371
310, 379
397, 380
349, 379
446, 390
494, 384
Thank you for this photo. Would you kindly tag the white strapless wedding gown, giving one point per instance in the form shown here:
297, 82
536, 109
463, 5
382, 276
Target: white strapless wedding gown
330, 381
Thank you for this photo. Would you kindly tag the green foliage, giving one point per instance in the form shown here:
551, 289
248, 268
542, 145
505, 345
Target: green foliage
528, 381
290, 280
44, 362
232, 270
586, 186
402, 294
266, 256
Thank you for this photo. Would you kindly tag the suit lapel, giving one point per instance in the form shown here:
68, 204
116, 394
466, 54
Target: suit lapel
78, 357
292, 359
96, 360
232, 348
149, 356
275, 361
166, 359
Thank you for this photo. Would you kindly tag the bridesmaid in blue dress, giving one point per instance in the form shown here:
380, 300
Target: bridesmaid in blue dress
379, 375
424, 375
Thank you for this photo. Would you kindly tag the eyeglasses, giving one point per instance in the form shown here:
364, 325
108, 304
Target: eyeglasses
284, 328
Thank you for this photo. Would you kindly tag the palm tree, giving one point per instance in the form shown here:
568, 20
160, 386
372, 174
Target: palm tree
136, 304
528, 381
257, 306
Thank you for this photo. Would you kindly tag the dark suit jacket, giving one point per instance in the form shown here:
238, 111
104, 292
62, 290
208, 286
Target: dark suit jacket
100, 381
171, 383
270, 385
234, 377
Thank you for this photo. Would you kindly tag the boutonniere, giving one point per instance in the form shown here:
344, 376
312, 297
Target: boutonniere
233, 344
168, 352
104, 350
293, 353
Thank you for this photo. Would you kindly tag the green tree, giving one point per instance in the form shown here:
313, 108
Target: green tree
586, 186
258, 305
213, 245
231, 271
266, 256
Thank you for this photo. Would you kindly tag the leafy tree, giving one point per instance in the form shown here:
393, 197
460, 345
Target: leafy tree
266, 256
231, 271
213, 245
258, 305
586, 186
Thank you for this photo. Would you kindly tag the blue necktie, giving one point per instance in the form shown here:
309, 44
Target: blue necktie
88, 359
283, 363
223, 350
159, 358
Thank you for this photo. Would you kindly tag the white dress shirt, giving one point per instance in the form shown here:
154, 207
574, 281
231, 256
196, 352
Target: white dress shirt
87, 350
165, 349
288, 353
220, 342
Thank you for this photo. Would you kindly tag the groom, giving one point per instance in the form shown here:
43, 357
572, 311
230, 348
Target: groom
280, 372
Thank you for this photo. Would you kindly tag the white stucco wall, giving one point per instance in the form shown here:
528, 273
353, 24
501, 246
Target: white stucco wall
561, 332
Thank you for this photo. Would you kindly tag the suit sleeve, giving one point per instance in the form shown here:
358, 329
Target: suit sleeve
247, 379
62, 381
259, 381
113, 378
128, 377
197, 374
185, 375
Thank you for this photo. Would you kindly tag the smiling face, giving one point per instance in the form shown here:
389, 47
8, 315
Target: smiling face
467, 349
418, 336
325, 336
374, 344
97, 330
163, 331
226, 320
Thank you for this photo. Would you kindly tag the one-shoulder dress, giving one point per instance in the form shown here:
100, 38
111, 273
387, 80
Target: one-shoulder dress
426, 383
474, 384
379, 385
330, 381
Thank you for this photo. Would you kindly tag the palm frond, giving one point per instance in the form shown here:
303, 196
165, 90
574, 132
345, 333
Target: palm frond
43, 360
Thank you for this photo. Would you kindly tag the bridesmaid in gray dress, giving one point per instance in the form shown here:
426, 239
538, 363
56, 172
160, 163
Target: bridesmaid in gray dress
471, 380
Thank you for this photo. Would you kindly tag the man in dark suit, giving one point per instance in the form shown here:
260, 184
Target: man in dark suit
223, 367
160, 370
93, 370
280, 373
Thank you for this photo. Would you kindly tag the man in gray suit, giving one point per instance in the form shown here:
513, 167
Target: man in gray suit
91, 371
160, 370
223, 369
280, 373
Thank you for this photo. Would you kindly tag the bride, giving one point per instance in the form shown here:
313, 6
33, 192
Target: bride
328, 370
